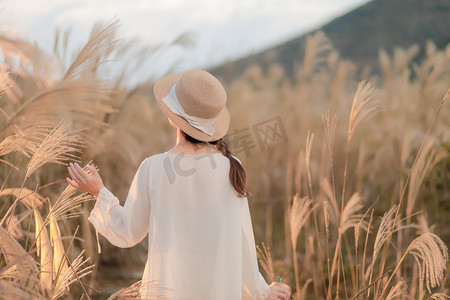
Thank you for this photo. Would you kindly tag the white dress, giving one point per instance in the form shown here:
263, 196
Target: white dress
201, 244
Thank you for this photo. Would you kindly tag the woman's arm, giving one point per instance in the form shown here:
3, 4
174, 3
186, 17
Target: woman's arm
124, 226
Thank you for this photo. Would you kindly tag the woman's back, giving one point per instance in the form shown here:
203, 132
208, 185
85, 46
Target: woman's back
195, 230
201, 244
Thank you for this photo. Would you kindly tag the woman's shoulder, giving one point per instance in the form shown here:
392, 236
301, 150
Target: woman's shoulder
153, 159
163, 155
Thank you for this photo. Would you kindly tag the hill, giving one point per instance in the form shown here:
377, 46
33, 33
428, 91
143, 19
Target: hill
359, 34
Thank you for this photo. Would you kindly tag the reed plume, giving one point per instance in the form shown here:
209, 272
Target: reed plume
132, 292
25, 141
49, 106
350, 217
431, 253
364, 106
298, 216
317, 49
396, 291
67, 204
20, 267
58, 147
438, 296
330, 122
385, 231
431, 256
77, 269
100, 44
265, 258
299, 212
418, 173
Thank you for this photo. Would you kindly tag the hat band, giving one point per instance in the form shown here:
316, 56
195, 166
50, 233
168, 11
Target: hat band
205, 125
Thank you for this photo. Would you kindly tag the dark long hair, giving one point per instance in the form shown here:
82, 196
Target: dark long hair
238, 176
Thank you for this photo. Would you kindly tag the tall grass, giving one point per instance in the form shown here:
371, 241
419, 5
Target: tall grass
343, 215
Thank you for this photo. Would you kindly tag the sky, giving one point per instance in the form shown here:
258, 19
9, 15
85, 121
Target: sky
222, 30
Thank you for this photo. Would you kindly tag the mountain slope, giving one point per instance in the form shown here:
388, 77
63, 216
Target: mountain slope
359, 34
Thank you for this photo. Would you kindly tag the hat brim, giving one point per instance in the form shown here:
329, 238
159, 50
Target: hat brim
162, 88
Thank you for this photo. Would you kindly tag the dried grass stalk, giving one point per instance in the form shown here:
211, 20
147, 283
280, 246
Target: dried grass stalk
422, 224
350, 217
309, 142
439, 296
133, 291
364, 106
446, 97
15, 50
298, 216
100, 44
84, 101
326, 216
329, 123
265, 258
13, 227
44, 252
59, 146
385, 230
5, 80
59, 258
317, 49
30, 199
26, 142
10, 292
20, 266
431, 254
67, 204
328, 190
75, 272
396, 291
418, 173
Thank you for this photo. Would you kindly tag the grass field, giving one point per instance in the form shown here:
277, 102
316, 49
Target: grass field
349, 171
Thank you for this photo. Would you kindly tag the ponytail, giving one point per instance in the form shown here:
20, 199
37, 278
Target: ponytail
238, 175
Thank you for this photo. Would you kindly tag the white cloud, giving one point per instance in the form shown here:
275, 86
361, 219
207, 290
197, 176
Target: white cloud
224, 28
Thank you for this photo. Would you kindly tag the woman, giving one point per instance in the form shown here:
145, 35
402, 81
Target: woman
192, 200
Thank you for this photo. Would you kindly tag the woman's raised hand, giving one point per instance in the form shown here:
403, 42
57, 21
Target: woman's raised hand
279, 291
91, 183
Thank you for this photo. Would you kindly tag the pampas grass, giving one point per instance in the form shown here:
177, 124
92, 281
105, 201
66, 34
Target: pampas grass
265, 259
363, 107
20, 267
438, 296
361, 172
431, 255
78, 269
100, 44
58, 147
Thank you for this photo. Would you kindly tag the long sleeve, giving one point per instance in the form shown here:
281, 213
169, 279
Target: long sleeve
254, 285
124, 226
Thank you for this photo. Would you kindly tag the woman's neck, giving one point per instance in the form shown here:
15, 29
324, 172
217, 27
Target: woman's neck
184, 146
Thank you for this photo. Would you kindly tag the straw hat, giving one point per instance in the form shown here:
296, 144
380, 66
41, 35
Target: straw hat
195, 102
